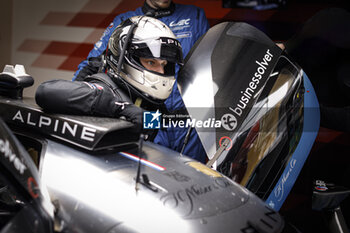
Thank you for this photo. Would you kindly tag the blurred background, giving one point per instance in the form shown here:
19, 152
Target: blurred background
51, 37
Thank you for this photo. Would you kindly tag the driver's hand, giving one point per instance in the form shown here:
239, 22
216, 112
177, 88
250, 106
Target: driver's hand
133, 113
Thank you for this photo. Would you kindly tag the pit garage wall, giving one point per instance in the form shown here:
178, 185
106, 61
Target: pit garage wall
45, 42
5, 32
51, 37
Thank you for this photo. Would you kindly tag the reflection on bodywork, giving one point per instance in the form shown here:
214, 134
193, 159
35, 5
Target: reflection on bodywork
143, 161
89, 182
268, 132
204, 169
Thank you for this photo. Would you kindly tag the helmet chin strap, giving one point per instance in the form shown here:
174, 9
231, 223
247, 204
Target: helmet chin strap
138, 101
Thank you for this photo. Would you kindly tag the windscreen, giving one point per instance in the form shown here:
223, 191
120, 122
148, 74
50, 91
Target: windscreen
222, 77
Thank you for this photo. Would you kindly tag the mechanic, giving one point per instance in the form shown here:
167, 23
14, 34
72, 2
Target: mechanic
138, 67
188, 23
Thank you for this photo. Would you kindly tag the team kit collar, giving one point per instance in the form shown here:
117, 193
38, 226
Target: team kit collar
158, 13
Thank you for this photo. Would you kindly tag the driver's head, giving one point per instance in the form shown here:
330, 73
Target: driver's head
159, 4
150, 55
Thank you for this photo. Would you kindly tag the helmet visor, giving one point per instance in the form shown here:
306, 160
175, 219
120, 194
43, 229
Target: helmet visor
163, 48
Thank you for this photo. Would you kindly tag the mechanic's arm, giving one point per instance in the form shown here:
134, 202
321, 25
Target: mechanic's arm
91, 67
281, 45
84, 98
100, 46
203, 24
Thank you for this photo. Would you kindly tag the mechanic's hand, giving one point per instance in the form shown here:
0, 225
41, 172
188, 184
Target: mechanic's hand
281, 45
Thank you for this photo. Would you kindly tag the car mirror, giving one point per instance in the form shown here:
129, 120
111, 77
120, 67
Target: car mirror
13, 80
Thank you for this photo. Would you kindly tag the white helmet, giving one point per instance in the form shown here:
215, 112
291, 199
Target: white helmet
144, 37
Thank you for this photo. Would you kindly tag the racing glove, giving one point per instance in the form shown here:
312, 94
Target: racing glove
133, 113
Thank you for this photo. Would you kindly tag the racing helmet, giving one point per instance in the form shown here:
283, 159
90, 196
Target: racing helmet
143, 37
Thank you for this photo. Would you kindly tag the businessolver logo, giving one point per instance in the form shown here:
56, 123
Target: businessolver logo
151, 120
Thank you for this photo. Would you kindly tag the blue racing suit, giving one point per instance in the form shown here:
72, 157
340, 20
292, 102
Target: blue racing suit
188, 23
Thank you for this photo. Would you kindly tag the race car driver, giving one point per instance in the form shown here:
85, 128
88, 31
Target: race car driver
188, 23
139, 66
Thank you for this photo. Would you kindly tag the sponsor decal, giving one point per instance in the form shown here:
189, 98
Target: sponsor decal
98, 44
169, 41
185, 200
272, 204
7, 152
250, 91
229, 121
93, 85
33, 187
56, 126
321, 186
279, 192
89, 85
96, 86
143, 161
178, 176
108, 30
181, 35
224, 138
111, 25
182, 22
180, 25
